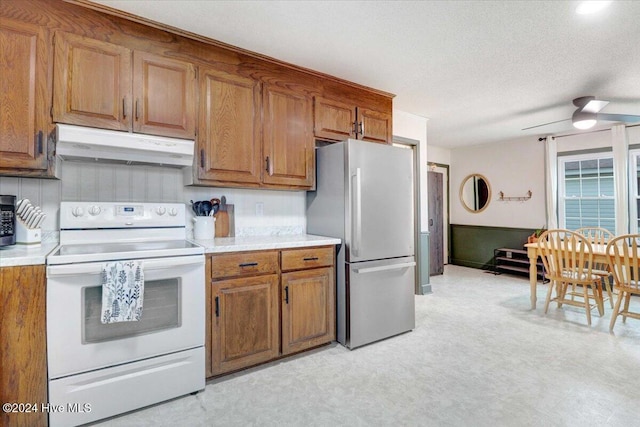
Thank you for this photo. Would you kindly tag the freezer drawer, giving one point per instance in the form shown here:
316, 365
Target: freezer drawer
381, 299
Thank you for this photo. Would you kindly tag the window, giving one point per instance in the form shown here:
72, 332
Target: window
586, 191
634, 190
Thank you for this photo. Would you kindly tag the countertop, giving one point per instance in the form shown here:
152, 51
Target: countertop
15, 255
256, 243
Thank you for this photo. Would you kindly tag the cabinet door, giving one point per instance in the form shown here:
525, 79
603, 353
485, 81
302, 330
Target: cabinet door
92, 83
288, 142
245, 327
164, 92
374, 126
334, 119
23, 354
229, 128
308, 309
23, 98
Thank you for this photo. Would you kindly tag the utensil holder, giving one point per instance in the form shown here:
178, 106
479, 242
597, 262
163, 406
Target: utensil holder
27, 236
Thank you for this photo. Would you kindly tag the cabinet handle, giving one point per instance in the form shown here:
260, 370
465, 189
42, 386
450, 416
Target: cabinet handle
286, 295
315, 258
217, 306
124, 108
137, 109
248, 264
202, 158
39, 146
362, 128
354, 130
268, 166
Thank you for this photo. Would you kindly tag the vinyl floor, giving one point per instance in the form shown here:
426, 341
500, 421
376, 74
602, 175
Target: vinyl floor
477, 357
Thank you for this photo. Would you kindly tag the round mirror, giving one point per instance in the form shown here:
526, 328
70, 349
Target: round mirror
475, 193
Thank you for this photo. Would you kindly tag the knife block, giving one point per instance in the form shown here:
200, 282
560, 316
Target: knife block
27, 236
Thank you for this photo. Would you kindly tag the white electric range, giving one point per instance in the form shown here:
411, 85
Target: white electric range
112, 368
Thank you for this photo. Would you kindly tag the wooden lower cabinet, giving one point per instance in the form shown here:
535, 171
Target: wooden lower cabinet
23, 352
308, 310
257, 314
245, 322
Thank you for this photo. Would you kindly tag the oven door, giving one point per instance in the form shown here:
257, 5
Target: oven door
173, 316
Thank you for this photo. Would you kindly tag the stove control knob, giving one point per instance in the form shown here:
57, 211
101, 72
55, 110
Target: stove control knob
77, 211
173, 211
161, 210
95, 210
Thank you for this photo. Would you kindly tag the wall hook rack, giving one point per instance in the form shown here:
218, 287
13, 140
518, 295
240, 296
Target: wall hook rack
504, 198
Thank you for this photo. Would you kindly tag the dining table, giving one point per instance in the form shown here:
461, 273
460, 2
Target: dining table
533, 252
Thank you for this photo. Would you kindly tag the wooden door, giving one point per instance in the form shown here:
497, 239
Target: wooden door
23, 351
164, 92
308, 309
288, 144
229, 128
245, 328
374, 126
334, 120
92, 83
23, 97
436, 229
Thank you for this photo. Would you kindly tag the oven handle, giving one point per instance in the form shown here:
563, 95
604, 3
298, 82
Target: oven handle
96, 267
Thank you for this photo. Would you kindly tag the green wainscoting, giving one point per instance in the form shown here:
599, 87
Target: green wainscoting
473, 245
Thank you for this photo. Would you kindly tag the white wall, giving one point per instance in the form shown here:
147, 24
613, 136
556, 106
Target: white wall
595, 140
284, 211
411, 126
513, 168
439, 155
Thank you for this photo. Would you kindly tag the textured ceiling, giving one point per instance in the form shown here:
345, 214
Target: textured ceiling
479, 70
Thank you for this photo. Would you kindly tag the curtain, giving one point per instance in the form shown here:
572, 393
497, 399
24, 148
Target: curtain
620, 146
551, 180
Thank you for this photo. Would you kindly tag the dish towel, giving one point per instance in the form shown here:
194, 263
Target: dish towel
122, 291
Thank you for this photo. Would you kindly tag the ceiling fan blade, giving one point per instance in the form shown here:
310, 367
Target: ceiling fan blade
594, 106
627, 118
545, 124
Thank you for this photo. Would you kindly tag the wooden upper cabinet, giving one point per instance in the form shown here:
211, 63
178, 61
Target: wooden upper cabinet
92, 83
108, 86
374, 126
229, 128
164, 96
23, 98
288, 143
336, 120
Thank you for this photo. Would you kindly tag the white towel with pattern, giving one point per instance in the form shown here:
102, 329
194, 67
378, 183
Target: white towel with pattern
122, 291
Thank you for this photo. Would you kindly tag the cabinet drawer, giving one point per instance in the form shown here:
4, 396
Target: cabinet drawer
244, 264
296, 259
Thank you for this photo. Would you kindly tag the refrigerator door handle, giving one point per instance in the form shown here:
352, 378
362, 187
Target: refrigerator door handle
357, 218
384, 267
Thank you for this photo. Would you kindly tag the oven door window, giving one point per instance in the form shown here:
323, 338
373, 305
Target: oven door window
161, 311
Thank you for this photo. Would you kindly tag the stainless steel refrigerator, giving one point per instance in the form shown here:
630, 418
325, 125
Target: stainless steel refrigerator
364, 196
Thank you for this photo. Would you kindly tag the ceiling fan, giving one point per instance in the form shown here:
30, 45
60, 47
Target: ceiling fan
587, 114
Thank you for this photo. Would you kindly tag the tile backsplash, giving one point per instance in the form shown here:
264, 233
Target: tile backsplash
283, 212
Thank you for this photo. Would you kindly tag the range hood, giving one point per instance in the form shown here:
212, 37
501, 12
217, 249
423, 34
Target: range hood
83, 143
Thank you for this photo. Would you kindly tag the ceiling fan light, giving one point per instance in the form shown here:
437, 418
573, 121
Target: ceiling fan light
583, 120
584, 124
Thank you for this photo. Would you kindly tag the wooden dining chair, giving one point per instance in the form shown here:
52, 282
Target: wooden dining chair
600, 236
568, 257
624, 262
